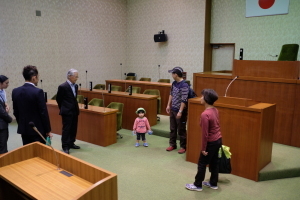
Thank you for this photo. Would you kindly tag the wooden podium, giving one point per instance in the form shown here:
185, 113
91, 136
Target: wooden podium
30, 172
247, 128
275, 82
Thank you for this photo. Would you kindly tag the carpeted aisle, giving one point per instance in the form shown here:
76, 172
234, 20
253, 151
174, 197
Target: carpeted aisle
151, 173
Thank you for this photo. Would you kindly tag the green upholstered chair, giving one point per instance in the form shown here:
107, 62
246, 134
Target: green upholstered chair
145, 79
131, 78
134, 90
155, 92
116, 88
96, 102
164, 80
54, 97
80, 98
99, 87
289, 52
118, 106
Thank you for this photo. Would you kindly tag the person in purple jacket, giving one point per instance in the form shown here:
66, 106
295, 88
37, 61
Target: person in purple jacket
211, 143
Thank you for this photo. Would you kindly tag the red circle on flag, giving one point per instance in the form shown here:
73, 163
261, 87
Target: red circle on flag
266, 4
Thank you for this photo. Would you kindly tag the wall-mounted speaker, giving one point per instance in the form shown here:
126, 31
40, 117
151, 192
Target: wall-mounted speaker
160, 37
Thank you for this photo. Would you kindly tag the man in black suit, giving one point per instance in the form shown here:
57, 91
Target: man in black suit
67, 102
29, 105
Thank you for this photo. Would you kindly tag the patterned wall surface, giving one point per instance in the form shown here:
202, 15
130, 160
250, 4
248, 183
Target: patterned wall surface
183, 22
259, 36
88, 35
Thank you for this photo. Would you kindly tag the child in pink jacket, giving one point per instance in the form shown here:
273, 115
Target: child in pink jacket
141, 126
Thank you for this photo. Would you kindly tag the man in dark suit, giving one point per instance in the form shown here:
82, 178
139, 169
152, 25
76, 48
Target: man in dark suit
29, 106
67, 102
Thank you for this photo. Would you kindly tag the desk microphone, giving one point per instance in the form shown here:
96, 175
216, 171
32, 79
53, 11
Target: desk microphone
230, 84
130, 89
45, 93
86, 79
158, 72
31, 124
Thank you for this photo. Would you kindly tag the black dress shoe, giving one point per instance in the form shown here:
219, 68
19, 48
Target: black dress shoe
66, 151
75, 147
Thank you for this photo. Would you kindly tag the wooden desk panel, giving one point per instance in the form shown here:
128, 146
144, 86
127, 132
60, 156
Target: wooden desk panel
283, 94
164, 89
131, 104
295, 138
266, 68
45, 181
96, 125
209, 80
248, 131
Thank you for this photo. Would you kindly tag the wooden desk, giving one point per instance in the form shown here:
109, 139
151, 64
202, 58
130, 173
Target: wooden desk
295, 138
280, 87
30, 172
131, 104
164, 89
96, 125
246, 127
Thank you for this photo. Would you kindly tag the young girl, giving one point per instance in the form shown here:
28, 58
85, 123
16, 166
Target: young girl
140, 127
211, 142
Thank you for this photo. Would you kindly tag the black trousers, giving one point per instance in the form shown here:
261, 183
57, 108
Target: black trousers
27, 139
3, 140
69, 131
139, 135
212, 159
178, 126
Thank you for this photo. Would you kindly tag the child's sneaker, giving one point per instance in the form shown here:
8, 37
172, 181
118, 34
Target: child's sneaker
207, 184
145, 144
193, 187
137, 144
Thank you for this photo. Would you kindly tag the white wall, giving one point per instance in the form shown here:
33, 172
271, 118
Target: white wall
85, 35
183, 22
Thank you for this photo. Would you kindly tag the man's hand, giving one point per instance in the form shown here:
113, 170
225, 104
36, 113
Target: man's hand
204, 153
49, 134
178, 116
168, 109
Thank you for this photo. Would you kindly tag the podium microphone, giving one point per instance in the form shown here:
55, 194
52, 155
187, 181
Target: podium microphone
36, 130
230, 84
41, 84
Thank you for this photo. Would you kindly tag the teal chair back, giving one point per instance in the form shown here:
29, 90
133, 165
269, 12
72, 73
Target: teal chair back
289, 52
118, 106
130, 78
145, 79
80, 98
116, 88
164, 80
155, 92
135, 90
99, 87
96, 102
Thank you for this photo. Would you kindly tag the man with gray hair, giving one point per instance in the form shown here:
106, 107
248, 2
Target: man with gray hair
67, 102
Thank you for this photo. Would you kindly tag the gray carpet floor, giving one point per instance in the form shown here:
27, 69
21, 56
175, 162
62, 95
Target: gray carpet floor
151, 173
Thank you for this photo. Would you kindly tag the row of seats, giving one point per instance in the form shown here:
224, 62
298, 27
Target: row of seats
147, 79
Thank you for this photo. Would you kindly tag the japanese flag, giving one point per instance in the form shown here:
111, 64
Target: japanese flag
266, 7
